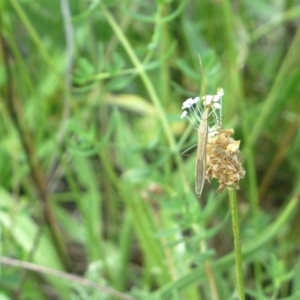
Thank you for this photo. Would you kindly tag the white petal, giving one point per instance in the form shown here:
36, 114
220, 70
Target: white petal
220, 92
195, 100
187, 103
183, 115
208, 99
216, 98
217, 106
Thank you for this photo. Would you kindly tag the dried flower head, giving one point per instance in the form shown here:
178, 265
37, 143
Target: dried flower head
223, 159
216, 150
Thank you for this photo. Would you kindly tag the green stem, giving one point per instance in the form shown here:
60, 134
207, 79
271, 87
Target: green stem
237, 243
220, 265
150, 89
16, 113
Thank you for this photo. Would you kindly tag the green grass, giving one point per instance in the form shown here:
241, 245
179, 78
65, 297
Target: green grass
92, 177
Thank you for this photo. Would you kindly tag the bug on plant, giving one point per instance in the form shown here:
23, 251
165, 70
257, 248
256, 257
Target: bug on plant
200, 122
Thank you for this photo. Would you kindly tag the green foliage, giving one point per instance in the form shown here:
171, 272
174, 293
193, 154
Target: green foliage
91, 95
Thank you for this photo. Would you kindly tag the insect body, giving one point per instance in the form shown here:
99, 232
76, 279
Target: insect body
200, 122
201, 153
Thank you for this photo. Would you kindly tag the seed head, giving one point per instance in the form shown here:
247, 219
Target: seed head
223, 159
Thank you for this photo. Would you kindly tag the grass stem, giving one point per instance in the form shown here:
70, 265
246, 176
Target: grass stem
237, 243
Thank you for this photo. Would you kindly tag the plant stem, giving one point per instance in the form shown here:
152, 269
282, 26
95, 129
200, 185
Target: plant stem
14, 108
237, 243
151, 91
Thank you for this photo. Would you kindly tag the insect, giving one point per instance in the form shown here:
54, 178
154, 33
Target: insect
201, 153
202, 140
199, 121
209, 102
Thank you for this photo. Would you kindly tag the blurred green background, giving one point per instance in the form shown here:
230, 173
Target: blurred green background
92, 177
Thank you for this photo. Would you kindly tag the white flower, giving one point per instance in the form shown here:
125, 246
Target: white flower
195, 100
187, 103
195, 108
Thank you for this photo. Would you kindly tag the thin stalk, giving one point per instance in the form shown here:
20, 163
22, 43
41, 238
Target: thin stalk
221, 264
207, 267
73, 279
14, 107
209, 272
237, 243
150, 89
